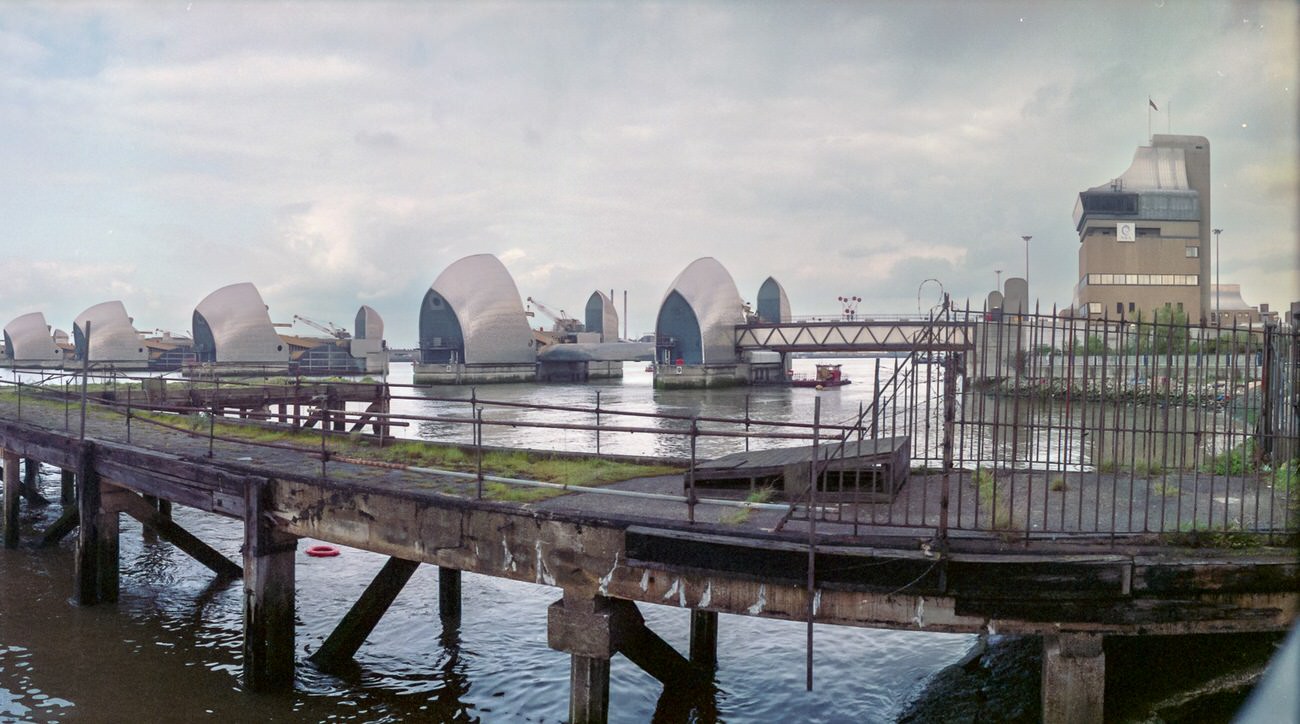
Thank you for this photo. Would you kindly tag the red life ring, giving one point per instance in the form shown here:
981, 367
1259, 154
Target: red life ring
322, 551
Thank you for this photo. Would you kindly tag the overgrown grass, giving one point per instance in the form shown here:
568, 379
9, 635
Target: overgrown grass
736, 516
1232, 537
994, 499
1164, 489
543, 467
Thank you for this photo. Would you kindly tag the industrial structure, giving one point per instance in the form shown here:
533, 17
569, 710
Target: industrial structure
233, 333
695, 329
112, 337
1144, 237
29, 342
474, 329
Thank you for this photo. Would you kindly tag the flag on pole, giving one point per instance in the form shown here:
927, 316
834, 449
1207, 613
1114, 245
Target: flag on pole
1153, 104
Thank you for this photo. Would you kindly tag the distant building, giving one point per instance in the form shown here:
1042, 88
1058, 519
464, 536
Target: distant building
1144, 237
1229, 308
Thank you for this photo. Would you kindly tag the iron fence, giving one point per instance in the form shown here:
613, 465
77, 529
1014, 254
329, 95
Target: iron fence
1044, 426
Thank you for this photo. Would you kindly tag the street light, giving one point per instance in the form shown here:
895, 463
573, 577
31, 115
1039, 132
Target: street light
999, 273
1026, 238
1217, 321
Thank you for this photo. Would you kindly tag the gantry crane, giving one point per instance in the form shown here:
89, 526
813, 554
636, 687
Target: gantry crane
327, 328
563, 322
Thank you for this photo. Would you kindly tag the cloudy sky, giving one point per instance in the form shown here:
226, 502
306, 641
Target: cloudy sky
339, 154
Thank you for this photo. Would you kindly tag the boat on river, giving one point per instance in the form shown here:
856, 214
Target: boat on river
827, 375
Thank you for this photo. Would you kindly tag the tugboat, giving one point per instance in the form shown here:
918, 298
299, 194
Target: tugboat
826, 376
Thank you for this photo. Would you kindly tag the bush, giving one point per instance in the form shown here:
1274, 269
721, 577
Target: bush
1237, 461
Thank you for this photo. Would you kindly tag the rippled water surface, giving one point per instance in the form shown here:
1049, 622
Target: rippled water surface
169, 649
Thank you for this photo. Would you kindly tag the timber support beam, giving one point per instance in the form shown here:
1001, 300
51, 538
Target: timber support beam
448, 594
594, 628
364, 615
148, 514
12, 488
98, 505
268, 594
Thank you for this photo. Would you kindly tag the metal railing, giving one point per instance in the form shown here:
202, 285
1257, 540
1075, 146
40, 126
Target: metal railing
1045, 427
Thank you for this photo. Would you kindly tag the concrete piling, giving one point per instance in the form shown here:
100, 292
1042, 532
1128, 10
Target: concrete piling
1074, 678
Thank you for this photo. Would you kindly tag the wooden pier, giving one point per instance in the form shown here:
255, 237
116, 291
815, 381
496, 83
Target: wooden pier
604, 561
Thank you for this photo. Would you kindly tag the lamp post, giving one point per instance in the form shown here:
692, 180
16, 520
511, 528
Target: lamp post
1026, 238
1217, 320
999, 273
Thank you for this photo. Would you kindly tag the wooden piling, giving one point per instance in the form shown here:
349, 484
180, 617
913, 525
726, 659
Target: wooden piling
12, 487
268, 595
588, 690
67, 487
97, 547
361, 619
704, 638
448, 593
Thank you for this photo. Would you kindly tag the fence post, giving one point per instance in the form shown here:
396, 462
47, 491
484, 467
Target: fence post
690, 474
597, 422
85, 372
478, 449
812, 537
949, 422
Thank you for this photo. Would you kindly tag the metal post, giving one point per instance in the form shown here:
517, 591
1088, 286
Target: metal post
212, 413
85, 371
324, 427
597, 422
747, 422
812, 537
949, 421
690, 474
478, 450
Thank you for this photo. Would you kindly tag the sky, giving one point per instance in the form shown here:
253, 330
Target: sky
340, 154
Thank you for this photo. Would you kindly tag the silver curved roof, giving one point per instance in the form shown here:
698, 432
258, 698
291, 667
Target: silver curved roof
241, 327
1227, 298
600, 311
1153, 168
773, 304
1015, 300
369, 325
710, 291
28, 339
112, 337
486, 302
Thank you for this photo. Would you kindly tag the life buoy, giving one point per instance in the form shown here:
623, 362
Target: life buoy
322, 551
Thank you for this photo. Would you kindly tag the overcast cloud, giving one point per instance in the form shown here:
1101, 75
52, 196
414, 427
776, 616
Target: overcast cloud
336, 154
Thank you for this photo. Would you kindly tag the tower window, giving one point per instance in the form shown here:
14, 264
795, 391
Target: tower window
1192, 252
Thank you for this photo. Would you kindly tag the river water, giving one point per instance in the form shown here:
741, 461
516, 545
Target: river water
169, 649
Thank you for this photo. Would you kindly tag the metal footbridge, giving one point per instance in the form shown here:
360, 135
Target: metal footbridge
874, 334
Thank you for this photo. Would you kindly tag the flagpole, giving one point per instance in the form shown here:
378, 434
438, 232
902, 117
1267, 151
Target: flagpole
1169, 118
